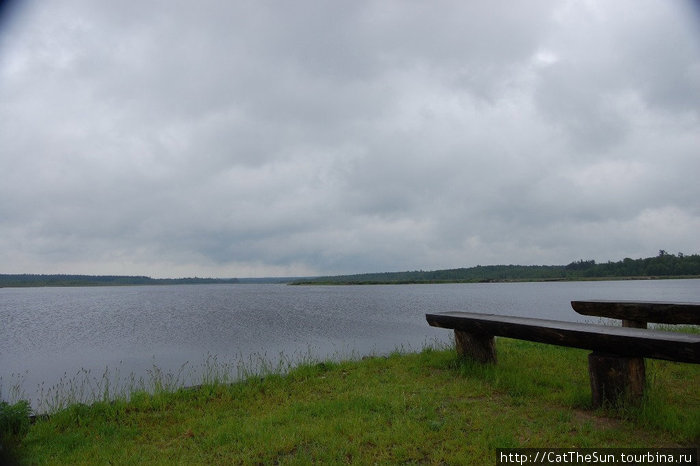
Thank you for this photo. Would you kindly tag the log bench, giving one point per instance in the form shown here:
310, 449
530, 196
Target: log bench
636, 314
616, 364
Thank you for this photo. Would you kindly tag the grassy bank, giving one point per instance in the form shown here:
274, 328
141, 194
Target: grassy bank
421, 407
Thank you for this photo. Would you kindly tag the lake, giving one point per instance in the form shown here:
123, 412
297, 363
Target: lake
52, 333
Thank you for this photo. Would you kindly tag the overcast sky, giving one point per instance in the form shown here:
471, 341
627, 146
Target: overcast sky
275, 138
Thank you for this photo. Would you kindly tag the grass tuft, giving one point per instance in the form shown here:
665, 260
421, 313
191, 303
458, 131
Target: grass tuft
14, 425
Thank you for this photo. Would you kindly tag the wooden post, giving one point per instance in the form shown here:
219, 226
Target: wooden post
479, 347
615, 379
636, 366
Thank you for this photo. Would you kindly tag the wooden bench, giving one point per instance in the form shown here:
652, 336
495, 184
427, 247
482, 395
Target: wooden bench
637, 314
616, 364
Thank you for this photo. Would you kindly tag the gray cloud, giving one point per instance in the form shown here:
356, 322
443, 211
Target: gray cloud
234, 139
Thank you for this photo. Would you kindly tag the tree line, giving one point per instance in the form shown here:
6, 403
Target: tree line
665, 265
28, 280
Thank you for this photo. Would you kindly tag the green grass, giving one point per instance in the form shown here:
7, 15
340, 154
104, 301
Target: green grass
427, 407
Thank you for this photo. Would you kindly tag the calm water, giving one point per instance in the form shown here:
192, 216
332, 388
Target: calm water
49, 332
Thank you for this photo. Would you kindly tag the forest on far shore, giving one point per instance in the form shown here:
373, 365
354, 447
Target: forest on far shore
29, 280
664, 265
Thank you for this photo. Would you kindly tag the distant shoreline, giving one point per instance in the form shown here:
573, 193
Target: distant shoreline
61, 280
662, 267
311, 282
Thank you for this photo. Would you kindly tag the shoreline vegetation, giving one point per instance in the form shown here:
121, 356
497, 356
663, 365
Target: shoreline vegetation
663, 266
428, 406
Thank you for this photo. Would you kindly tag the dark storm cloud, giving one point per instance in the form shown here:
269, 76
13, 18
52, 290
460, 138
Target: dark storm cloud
257, 138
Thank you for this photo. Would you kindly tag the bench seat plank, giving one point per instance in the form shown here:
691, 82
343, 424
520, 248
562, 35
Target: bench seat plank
658, 312
622, 341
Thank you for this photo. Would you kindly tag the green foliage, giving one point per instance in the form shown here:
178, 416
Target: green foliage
14, 418
664, 265
14, 425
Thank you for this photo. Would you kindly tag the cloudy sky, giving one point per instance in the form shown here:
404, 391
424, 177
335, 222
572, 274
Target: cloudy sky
258, 138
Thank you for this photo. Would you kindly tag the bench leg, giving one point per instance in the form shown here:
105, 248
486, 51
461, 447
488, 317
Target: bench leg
482, 348
615, 378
